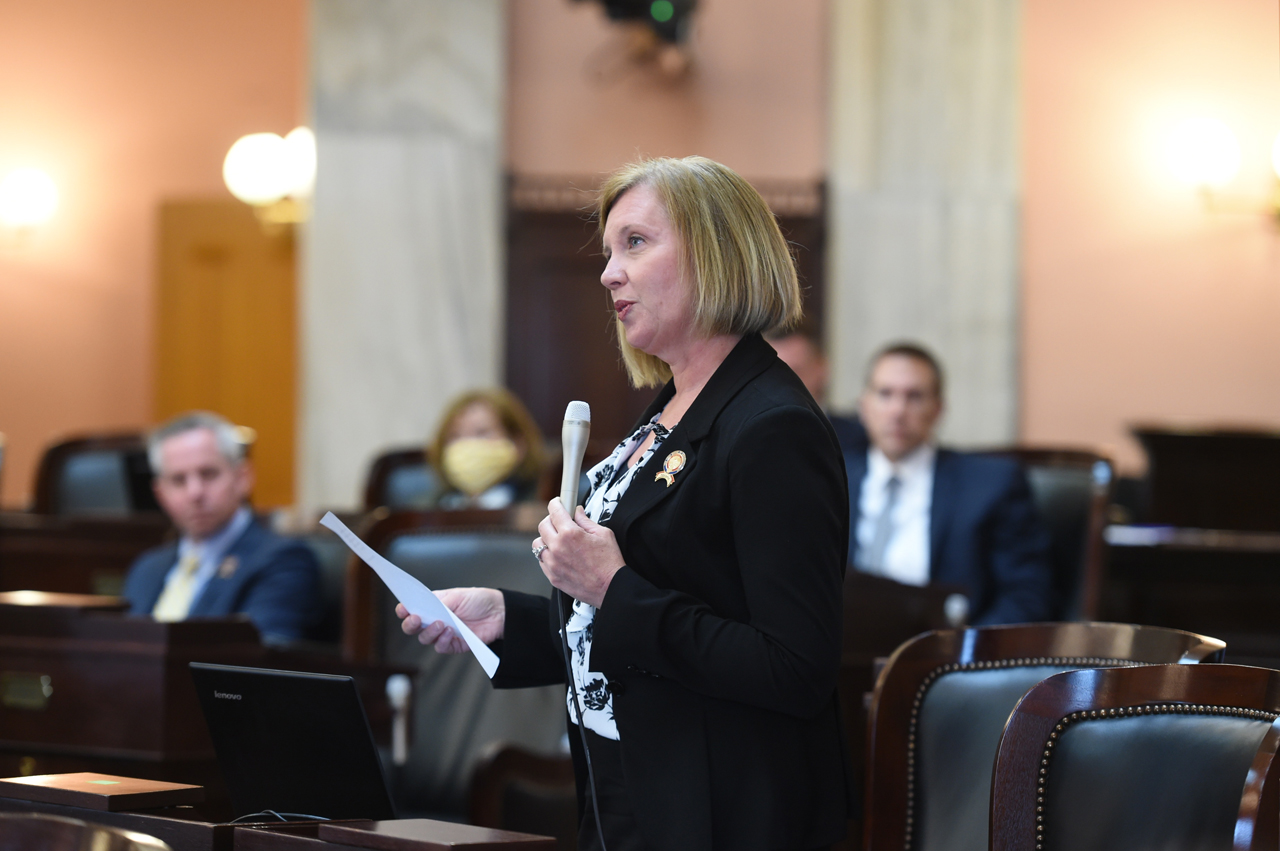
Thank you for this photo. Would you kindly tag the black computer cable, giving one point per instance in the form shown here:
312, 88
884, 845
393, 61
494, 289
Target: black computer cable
577, 707
280, 816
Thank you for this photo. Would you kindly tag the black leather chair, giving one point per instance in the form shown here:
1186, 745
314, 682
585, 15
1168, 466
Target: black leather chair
1072, 490
1141, 759
100, 475
940, 705
332, 556
400, 478
457, 713
27, 831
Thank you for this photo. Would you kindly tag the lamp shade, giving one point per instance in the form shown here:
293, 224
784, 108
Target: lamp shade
1204, 152
28, 197
262, 168
256, 169
300, 147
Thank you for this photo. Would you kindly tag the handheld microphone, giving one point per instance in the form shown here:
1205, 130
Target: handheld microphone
573, 437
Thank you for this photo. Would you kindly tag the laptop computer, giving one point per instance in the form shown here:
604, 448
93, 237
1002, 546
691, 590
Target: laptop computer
291, 742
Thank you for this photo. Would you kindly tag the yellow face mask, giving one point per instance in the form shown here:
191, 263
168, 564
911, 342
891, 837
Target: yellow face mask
475, 464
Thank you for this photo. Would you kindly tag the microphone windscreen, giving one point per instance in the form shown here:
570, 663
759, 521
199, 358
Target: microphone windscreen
578, 411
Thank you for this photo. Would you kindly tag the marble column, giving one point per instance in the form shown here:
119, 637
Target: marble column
402, 274
924, 199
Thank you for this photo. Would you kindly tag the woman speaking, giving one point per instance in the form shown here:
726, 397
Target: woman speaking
702, 580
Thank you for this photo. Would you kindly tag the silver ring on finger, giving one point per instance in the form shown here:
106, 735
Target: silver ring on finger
537, 552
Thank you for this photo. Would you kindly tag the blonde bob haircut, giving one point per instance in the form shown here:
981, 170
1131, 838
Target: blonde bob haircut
741, 269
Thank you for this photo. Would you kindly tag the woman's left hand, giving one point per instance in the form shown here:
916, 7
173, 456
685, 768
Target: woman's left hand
581, 556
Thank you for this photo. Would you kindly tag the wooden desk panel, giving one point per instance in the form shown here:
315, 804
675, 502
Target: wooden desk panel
183, 828
394, 835
74, 555
1220, 583
117, 687
428, 835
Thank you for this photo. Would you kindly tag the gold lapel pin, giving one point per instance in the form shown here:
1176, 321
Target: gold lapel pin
671, 465
228, 567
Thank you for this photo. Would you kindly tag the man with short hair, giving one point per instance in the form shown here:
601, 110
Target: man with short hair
225, 561
921, 514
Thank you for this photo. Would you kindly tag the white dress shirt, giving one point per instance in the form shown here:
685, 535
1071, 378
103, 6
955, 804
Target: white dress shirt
906, 558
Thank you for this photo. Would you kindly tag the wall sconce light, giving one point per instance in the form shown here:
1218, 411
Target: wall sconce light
28, 199
1204, 153
274, 175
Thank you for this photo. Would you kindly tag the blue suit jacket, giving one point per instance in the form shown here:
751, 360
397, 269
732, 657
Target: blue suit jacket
275, 581
985, 535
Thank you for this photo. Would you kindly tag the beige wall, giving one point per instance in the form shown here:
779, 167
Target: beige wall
1138, 304
755, 98
123, 103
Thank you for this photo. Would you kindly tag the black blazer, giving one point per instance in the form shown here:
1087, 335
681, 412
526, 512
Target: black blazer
985, 535
721, 637
274, 580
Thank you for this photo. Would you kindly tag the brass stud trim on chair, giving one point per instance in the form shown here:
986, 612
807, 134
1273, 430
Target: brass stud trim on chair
1127, 712
986, 665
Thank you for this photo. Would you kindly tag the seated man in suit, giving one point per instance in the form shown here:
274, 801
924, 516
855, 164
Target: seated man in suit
225, 561
921, 514
800, 351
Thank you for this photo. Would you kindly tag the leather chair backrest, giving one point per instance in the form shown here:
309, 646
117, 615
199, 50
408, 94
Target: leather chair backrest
331, 555
456, 711
957, 732
1063, 496
94, 482
1149, 782
410, 486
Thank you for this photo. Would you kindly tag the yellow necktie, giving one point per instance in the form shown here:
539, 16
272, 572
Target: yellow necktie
178, 592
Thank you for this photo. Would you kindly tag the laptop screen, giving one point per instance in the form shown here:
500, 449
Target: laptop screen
292, 742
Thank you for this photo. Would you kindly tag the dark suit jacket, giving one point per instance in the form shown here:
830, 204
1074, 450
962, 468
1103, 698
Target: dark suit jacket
850, 432
984, 535
721, 637
275, 582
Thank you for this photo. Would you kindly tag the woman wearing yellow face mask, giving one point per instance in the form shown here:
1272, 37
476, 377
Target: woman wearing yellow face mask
487, 452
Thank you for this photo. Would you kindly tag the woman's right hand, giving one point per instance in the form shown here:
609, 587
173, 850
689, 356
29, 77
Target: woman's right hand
482, 609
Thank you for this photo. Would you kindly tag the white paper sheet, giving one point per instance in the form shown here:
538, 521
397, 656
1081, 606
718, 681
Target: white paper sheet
415, 596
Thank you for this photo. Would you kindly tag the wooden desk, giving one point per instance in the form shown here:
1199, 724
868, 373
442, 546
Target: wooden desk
1215, 582
394, 835
1213, 478
91, 690
183, 828
76, 555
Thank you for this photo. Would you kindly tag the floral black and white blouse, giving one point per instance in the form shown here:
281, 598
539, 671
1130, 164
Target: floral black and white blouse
609, 481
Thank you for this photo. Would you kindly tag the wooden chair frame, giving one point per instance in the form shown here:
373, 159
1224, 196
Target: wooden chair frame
1095, 550
1023, 765
377, 530
383, 466
913, 667
499, 766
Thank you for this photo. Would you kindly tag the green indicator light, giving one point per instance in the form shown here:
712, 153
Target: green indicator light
105, 782
661, 10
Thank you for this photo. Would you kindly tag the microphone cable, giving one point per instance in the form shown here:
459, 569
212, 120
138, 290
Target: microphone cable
577, 707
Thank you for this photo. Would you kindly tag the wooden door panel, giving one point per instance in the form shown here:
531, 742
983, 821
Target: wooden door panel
226, 329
